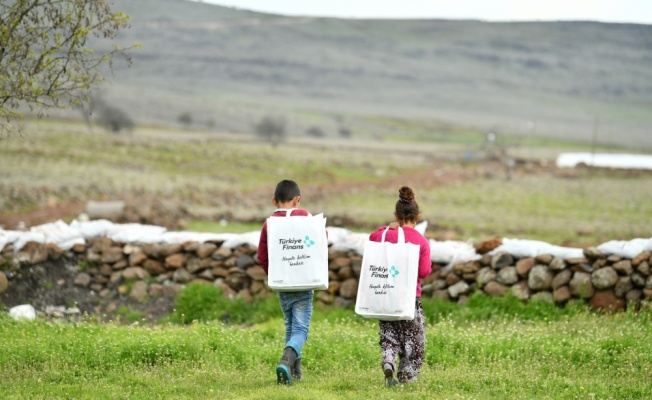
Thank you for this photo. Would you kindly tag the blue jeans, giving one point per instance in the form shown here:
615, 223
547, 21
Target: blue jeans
297, 310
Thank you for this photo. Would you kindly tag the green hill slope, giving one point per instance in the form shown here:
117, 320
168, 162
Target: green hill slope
230, 67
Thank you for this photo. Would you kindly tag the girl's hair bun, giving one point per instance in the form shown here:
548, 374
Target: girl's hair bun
406, 194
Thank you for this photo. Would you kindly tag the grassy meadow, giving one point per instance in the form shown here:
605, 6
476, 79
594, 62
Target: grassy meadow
489, 349
464, 194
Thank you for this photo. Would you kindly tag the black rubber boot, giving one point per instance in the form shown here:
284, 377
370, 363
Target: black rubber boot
296, 371
284, 367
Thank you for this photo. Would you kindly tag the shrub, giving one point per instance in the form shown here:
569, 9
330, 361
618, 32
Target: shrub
202, 302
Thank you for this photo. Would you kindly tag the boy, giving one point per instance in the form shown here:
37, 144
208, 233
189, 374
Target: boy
296, 306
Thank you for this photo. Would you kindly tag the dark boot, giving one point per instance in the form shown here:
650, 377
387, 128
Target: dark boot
389, 375
296, 370
284, 367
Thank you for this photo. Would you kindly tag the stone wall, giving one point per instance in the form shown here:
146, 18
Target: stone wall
143, 271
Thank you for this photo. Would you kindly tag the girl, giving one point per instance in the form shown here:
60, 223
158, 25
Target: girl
405, 339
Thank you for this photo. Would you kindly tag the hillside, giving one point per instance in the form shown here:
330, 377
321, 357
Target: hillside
229, 67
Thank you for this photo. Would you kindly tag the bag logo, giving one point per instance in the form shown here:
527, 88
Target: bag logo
393, 271
309, 242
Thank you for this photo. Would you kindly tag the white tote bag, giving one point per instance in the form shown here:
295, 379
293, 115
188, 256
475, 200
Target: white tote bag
388, 279
298, 253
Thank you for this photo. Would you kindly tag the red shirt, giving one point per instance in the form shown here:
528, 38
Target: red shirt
411, 236
263, 258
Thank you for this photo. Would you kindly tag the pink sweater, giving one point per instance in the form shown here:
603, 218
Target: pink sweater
411, 236
263, 257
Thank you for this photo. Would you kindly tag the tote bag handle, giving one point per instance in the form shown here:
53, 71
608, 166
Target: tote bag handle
401, 235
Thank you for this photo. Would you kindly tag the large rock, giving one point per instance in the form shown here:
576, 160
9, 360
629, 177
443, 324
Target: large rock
606, 300
206, 250
139, 291
501, 260
623, 286
181, 275
540, 277
487, 245
82, 279
257, 273
458, 289
485, 275
638, 280
36, 252
644, 256
634, 296
557, 264
349, 288
112, 254
339, 262
496, 289
623, 267
561, 294
544, 259
592, 252
194, 264
4, 283
133, 273
154, 267
524, 265
562, 278
543, 296
166, 250
604, 278
137, 258
244, 261
222, 253
580, 285
507, 276
521, 291
175, 261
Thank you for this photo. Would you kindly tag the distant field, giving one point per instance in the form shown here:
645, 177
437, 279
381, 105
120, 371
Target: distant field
463, 194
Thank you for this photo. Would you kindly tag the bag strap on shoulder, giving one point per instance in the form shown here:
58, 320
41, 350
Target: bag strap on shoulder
401, 235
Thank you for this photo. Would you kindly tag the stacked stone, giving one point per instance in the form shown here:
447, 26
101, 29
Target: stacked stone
158, 269
605, 282
141, 271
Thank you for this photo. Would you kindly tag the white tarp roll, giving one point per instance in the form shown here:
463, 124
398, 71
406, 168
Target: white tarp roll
451, 252
521, 248
624, 161
626, 249
443, 252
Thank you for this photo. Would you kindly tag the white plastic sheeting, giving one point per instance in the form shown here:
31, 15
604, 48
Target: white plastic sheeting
625, 161
627, 249
521, 248
451, 252
442, 252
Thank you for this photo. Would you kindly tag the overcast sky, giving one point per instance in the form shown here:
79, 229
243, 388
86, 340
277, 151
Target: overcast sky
635, 11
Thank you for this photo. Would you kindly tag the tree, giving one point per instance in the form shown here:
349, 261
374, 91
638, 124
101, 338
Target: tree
113, 119
185, 118
315, 132
45, 58
271, 129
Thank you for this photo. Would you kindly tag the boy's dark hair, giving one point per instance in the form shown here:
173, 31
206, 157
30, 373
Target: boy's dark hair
286, 190
407, 208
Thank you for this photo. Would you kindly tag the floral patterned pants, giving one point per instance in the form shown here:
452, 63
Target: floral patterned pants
407, 340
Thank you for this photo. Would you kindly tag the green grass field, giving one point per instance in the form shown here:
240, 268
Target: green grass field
351, 180
489, 349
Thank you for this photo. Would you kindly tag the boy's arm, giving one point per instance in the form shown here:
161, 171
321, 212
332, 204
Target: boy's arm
263, 259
